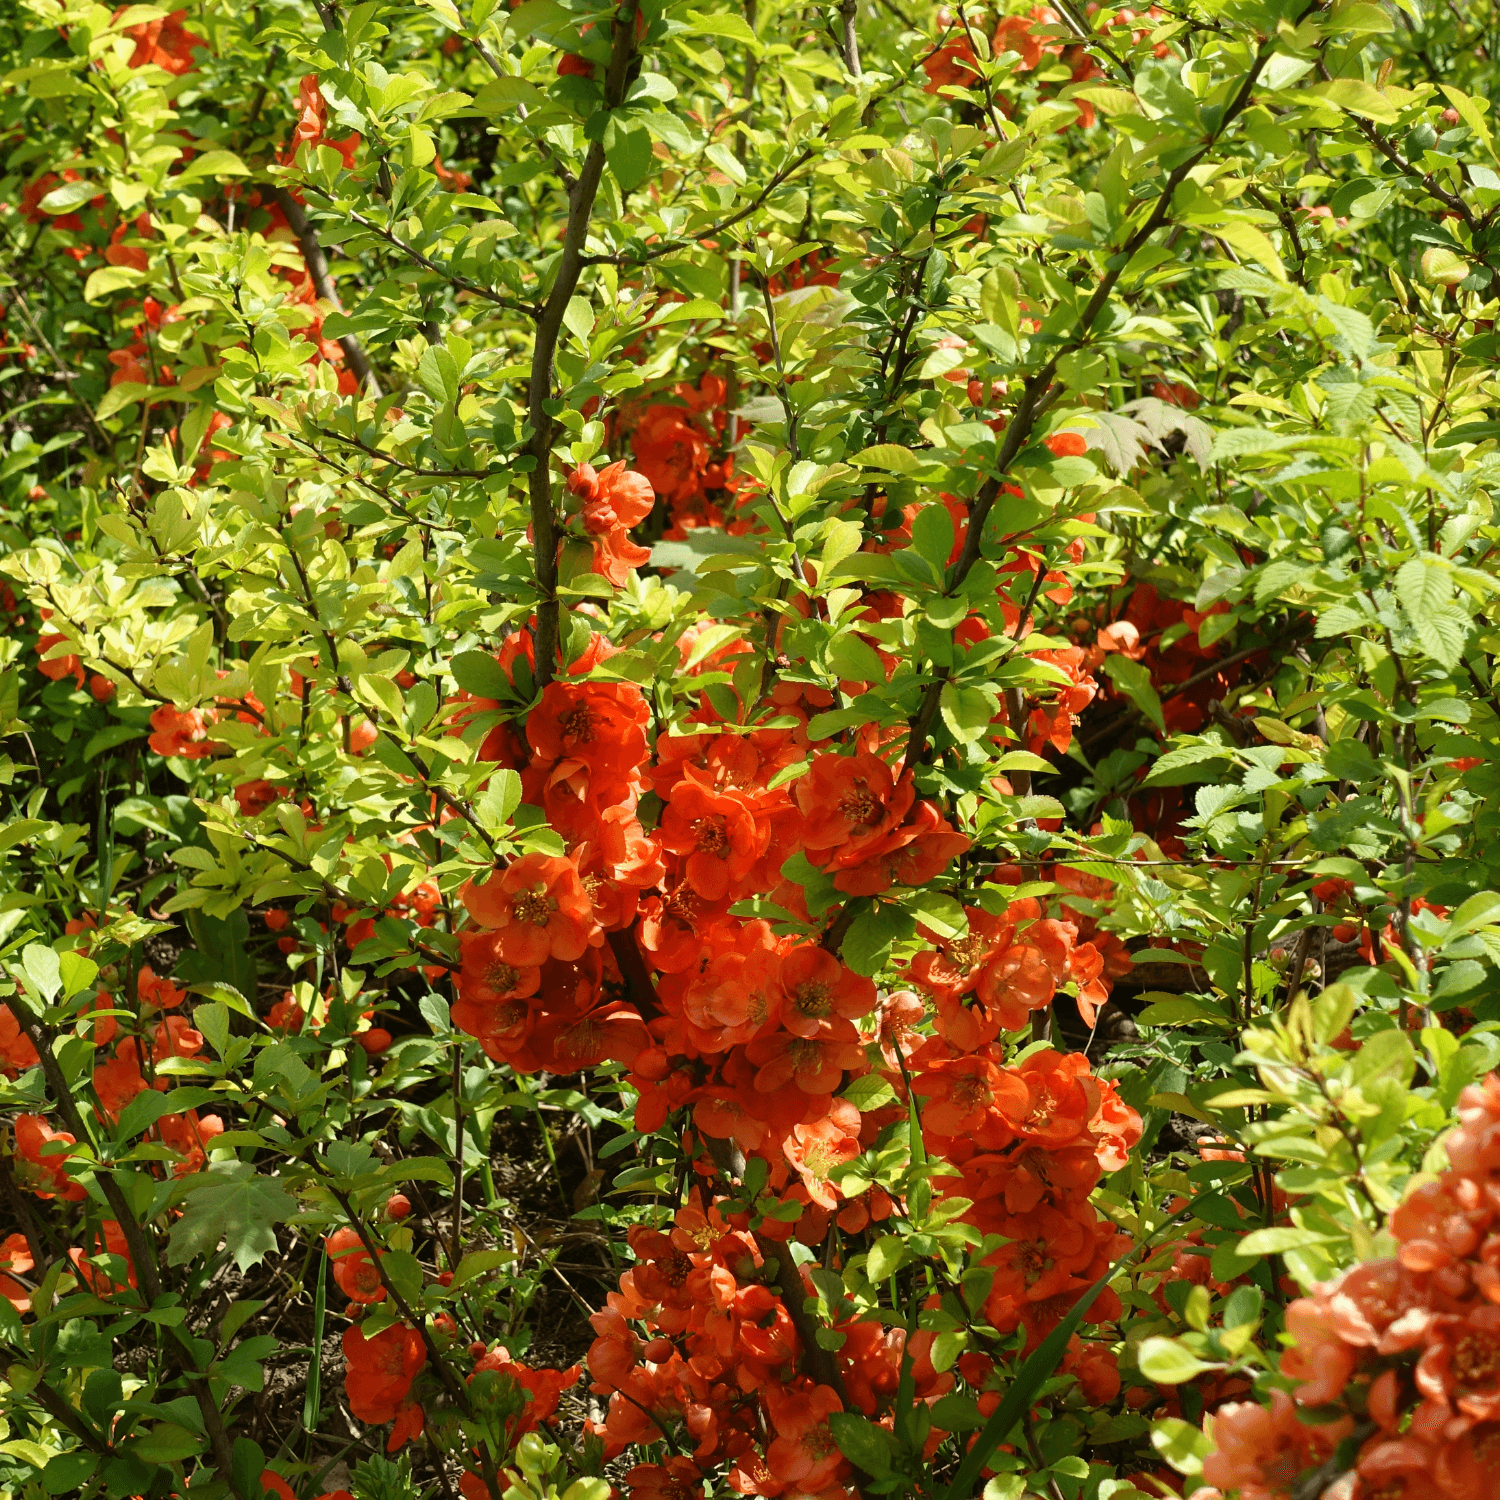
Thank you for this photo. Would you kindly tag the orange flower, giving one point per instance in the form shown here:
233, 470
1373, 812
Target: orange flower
849, 797
57, 667
16, 1052
815, 1064
379, 1376
312, 121
1461, 1363
613, 497
486, 978
672, 453
1261, 1452
353, 1270
43, 1171
110, 1241
117, 1082
817, 987
163, 43
184, 732
804, 1453
538, 909
599, 727
718, 836
153, 991
15, 1255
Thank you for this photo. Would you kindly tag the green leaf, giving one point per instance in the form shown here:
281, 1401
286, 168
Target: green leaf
479, 673
149, 1106
889, 456
869, 1093
166, 1443
1134, 681
1279, 1240
68, 1473
866, 1445
43, 969
627, 149
477, 1262
735, 28
1168, 1361
967, 712
1187, 764
887, 1255
867, 944
68, 196
1181, 1444
234, 1205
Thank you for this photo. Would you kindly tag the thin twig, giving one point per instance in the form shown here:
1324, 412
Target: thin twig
317, 268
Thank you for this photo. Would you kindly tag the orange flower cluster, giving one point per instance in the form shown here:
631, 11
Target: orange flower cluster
955, 64
41, 1153
718, 1366
1404, 1352
1011, 964
679, 449
698, 1344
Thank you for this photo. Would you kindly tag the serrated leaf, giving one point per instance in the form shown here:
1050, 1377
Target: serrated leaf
232, 1205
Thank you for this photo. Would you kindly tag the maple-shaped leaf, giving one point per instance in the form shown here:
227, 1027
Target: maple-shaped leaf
232, 1203
1119, 439
1161, 418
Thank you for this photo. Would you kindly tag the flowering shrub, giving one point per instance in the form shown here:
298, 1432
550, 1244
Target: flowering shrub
748, 751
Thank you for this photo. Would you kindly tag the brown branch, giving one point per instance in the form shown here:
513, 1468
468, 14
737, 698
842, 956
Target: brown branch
1384, 147
317, 268
452, 277
141, 1254
1039, 392
544, 529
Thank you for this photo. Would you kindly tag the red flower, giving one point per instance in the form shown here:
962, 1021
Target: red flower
312, 121
163, 43
815, 1064
486, 978
614, 497
596, 728
718, 835
670, 452
117, 1082
817, 988
353, 1270
1262, 1452
183, 732
804, 1452
379, 1376
845, 798
15, 1255
16, 1052
155, 992
109, 1240
538, 909
971, 1096
43, 1172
